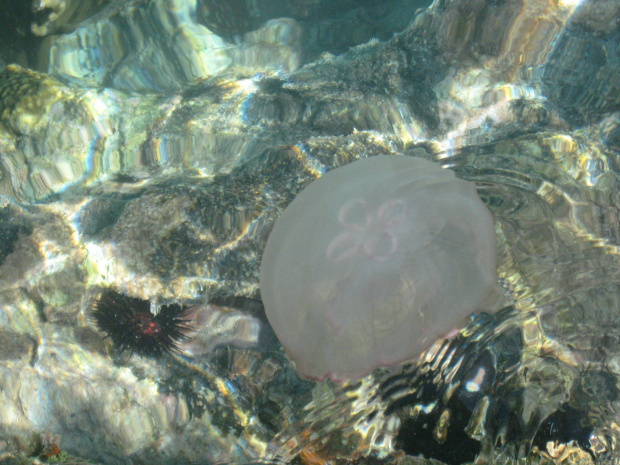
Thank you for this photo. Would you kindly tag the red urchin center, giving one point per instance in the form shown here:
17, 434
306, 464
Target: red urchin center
144, 324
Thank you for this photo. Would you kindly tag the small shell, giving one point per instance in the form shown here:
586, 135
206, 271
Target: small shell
373, 262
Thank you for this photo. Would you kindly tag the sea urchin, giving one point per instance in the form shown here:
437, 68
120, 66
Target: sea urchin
128, 321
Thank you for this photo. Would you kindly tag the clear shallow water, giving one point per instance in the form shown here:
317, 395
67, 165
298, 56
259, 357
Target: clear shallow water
147, 155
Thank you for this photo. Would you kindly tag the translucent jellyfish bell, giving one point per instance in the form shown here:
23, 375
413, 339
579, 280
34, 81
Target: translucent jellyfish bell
373, 262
